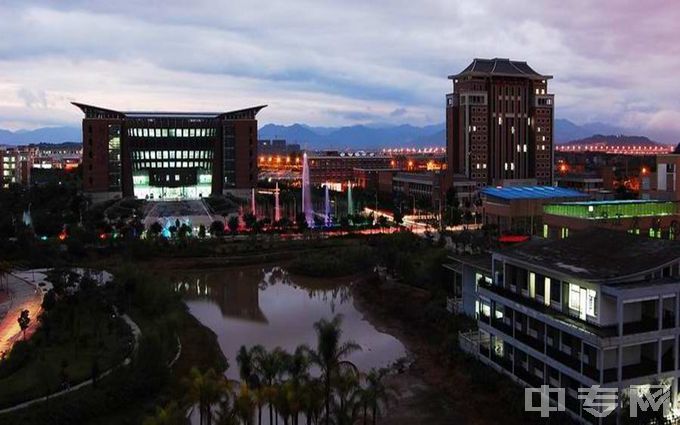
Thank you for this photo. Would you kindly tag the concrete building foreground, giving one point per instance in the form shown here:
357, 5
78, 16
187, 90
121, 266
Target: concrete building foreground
598, 308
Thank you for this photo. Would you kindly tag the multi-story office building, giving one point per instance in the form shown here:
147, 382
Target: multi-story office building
598, 308
15, 165
499, 123
168, 154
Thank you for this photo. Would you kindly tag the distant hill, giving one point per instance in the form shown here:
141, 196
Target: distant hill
356, 136
566, 131
370, 136
41, 135
615, 140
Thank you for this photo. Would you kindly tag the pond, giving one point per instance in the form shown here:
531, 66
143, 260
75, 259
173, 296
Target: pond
270, 307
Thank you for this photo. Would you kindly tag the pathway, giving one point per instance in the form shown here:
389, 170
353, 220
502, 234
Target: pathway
136, 332
23, 296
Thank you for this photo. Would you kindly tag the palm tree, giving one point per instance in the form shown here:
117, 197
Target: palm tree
172, 414
247, 361
311, 403
268, 365
329, 354
377, 394
346, 403
244, 406
205, 389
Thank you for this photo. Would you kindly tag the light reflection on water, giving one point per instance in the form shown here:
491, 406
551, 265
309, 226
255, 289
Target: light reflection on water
267, 306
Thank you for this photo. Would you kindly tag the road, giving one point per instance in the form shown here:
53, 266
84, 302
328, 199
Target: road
23, 296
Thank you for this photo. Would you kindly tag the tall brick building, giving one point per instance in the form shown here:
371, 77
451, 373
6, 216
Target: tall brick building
499, 123
157, 155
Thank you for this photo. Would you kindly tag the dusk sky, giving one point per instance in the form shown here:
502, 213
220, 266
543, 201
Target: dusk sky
334, 63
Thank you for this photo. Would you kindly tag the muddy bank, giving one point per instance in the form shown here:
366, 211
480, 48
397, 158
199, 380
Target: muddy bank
442, 385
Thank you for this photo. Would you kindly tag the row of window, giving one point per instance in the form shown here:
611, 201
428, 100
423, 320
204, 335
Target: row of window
172, 164
204, 154
172, 132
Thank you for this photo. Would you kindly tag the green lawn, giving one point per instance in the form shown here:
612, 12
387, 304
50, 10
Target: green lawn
43, 370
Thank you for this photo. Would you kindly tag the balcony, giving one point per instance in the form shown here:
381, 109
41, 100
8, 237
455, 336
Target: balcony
564, 358
644, 368
502, 326
530, 341
611, 375
646, 324
603, 332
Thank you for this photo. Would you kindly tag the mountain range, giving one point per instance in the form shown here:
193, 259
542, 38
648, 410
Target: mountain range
349, 137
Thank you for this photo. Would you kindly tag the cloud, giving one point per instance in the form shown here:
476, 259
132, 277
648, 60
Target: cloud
334, 62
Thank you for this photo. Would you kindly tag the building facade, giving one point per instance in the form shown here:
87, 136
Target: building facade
652, 218
573, 313
15, 165
160, 155
499, 123
337, 168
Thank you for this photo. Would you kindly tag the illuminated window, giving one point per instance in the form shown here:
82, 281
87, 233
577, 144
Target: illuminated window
185, 132
192, 132
500, 121
164, 132
574, 297
171, 132
590, 302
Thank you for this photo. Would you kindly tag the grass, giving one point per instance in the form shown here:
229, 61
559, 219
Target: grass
47, 363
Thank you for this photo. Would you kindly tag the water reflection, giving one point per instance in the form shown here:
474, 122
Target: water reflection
268, 306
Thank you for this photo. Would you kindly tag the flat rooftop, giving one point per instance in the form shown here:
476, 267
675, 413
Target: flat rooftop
602, 210
510, 193
597, 254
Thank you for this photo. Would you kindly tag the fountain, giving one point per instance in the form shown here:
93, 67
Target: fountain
306, 193
252, 203
350, 203
327, 209
277, 207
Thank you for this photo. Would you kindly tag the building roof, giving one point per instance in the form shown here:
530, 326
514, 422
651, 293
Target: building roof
91, 110
500, 67
511, 193
597, 254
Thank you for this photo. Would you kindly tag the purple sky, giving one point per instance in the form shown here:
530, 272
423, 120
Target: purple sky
334, 62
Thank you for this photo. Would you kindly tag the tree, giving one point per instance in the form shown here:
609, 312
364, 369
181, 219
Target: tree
301, 222
269, 365
155, 229
24, 321
205, 390
398, 216
382, 221
171, 414
249, 220
377, 394
217, 228
329, 354
233, 223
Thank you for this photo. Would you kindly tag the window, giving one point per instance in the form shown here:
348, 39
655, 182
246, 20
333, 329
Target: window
590, 302
574, 297
555, 290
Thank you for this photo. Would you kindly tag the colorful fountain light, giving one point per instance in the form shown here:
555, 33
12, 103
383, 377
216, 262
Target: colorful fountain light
350, 203
277, 207
306, 193
327, 208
